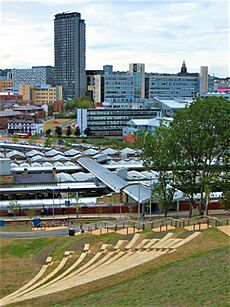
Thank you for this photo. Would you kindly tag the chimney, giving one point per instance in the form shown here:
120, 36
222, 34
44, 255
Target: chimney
54, 172
26, 171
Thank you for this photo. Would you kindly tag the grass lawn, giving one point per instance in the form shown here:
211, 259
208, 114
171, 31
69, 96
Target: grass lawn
196, 281
197, 274
15, 228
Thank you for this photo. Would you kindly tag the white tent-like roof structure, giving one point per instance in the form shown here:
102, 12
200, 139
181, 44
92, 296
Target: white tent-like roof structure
47, 164
64, 177
128, 151
36, 164
71, 152
80, 176
53, 152
58, 164
38, 158
69, 163
109, 151
24, 165
90, 152
15, 153
34, 152
59, 158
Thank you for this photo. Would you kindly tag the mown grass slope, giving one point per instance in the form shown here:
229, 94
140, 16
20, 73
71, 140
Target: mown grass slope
197, 274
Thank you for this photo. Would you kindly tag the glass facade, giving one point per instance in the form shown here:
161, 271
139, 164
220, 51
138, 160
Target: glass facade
112, 121
118, 86
172, 86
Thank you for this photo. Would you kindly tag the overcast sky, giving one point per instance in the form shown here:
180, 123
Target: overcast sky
160, 33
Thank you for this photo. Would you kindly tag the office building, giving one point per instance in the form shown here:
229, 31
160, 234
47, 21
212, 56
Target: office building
36, 75
5, 85
41, 94
137, 70
110, 122
118, 85
69, 54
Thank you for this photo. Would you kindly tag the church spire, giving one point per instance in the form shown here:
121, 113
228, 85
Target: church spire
183, 70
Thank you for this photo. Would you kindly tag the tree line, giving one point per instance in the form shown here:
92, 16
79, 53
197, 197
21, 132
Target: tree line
191, 154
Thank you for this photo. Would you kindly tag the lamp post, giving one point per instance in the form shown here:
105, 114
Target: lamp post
53, 203
150, 200
139, 205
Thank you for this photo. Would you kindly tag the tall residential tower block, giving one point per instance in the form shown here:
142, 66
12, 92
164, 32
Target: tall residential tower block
69, 54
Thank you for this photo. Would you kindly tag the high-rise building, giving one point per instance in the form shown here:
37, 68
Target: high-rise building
137, 70
69, 54
203, 79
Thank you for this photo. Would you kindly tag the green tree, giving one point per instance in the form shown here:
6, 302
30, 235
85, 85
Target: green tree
83, 102
202, 135
48, 141
77, 132
68, 131
48, 132
15, 138
58, 131
159, 153
13, 207
190, 154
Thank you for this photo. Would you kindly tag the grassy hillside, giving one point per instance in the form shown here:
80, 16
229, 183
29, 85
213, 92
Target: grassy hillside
197, 274
195, 281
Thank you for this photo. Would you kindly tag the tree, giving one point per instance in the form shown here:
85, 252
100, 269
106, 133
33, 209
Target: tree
159, 153
68, 131
13, 207
77, 131
15, 138
48, 132
202, 135
190, 155
87, 131
83, 102
48, 141
76, 205
58, 131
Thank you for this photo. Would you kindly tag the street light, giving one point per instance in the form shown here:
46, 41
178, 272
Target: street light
150, 200
53, 202
139, 205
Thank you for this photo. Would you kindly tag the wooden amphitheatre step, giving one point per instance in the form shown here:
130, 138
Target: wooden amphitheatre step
91, 261
152, 242
42, 281
32, 281
93, 266
103, 264
120, 243
66, 272
133, 241
142, 243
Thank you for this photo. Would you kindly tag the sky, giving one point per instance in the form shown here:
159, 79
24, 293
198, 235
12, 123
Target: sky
159, 33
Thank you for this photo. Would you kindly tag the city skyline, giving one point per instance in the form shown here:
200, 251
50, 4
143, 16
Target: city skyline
118, 33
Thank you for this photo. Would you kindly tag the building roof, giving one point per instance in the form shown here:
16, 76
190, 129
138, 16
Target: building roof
71, 152
15, 153
59, 158
109, 151
128, 151
9, 113
64, 177
34, 152
53, 152
34, 178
